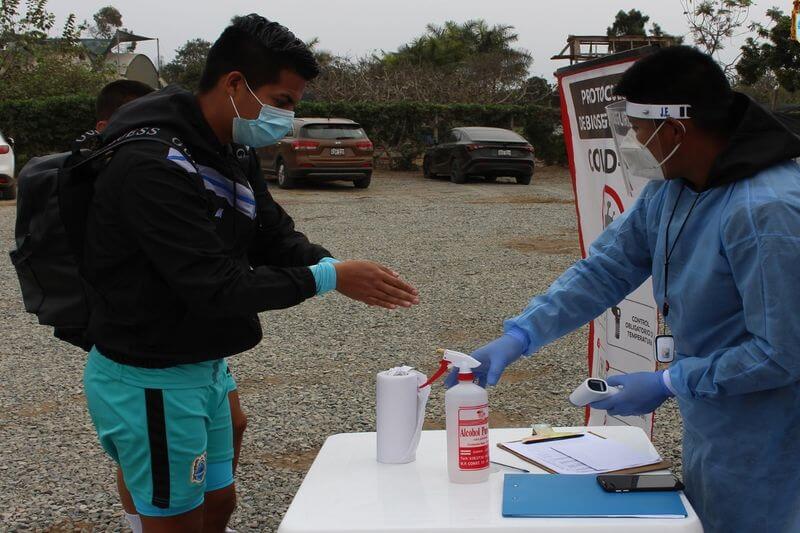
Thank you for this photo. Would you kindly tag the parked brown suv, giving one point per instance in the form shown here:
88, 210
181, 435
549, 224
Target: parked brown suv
320, 149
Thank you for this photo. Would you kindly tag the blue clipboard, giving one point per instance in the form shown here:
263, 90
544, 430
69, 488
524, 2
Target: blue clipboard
580, 496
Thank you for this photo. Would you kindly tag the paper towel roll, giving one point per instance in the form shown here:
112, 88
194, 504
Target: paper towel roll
400, 413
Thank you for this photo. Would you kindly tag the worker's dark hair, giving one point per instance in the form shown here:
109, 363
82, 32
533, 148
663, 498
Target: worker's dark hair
681, 75
260, 50
117, 93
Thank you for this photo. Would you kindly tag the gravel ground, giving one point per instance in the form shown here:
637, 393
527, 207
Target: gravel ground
476, 252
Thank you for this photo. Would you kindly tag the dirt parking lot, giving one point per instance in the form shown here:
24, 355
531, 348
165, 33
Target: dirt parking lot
477, 253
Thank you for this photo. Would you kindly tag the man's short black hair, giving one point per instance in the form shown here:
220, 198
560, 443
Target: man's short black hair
260, 50
117, 93
681, 75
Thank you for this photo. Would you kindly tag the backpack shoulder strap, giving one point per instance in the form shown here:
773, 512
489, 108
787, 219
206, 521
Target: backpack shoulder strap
142, 134
86, 139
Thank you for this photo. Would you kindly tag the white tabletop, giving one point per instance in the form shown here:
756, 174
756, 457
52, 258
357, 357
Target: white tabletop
346, 489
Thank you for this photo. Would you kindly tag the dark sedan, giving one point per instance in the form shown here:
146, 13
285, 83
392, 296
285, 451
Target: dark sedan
486, 152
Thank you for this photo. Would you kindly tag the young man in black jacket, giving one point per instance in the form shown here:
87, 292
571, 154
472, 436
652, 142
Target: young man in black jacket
183, 249
111, 97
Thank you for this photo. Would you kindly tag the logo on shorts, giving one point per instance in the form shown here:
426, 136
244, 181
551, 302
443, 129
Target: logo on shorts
199, 469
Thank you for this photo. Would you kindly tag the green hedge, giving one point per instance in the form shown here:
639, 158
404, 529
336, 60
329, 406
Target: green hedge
45, 125
401, 129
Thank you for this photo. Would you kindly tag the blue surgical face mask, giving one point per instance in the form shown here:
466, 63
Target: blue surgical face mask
271, 125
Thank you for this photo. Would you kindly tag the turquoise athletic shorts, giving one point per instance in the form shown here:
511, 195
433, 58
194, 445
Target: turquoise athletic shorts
169, 429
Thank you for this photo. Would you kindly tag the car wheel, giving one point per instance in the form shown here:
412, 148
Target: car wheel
362, 183
9, 194
524, 180
456, 174
426, 169
284, 180
490, 179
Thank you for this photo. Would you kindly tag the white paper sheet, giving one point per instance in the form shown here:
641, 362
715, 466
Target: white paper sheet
605, 454
589, 454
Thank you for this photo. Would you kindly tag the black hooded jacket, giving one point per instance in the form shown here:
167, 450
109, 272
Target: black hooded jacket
758, 140
180, 259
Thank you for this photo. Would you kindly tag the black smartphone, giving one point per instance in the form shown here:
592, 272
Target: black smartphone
639, 483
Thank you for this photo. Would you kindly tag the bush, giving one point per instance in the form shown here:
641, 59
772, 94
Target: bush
399, 130
45, 125
52, 75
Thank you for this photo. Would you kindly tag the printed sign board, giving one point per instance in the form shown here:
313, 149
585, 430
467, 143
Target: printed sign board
621, 339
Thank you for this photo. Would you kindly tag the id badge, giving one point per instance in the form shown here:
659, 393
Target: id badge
665, 348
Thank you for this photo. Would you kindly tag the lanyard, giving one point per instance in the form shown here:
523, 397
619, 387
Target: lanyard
668, 251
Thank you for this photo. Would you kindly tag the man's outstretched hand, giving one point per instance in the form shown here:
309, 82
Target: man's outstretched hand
374, 284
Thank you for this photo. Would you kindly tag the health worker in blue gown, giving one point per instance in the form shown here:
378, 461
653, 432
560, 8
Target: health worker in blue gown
718, 229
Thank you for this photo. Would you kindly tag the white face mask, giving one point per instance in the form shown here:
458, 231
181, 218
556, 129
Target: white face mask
639, 160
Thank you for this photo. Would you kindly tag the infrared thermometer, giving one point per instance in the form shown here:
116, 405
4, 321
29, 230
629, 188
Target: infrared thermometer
591, 390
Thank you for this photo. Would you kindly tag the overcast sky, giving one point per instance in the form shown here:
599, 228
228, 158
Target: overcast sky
357, 27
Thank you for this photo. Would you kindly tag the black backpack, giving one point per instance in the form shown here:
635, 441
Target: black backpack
53, 198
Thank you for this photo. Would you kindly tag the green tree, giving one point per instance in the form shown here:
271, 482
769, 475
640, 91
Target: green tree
21, 31
471, 62
107, 21
634, 23
539, 91
187, 66
631, 23
31, 65
71, 33
324, 57
468, 62
713, 23
452, 44
777, 57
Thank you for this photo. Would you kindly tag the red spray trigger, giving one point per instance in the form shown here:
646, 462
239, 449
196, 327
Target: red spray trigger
443, 364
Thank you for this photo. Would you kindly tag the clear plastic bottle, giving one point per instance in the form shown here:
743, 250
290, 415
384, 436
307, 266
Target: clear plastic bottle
467, 417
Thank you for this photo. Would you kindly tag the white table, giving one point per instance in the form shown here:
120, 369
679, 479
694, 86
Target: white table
346, 489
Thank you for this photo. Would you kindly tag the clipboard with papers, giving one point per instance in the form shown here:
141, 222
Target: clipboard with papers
589, 454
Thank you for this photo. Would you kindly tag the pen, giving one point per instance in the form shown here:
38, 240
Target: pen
511, 467
535, 440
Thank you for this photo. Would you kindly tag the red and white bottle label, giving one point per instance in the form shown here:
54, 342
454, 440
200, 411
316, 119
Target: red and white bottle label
473, 437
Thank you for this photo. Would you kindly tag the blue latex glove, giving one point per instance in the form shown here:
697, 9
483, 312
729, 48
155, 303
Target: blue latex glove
641, 393
494, 358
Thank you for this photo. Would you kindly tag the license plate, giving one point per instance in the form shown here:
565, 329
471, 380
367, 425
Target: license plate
337, 151
502, 153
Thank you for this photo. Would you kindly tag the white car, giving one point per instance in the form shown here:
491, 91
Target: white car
8, 185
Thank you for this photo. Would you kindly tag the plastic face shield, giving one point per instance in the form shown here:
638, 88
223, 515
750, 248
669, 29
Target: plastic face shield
637, 147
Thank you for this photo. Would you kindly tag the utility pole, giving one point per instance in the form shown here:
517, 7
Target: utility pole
158, 62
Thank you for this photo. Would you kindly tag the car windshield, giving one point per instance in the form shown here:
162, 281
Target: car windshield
488, 134
333, 131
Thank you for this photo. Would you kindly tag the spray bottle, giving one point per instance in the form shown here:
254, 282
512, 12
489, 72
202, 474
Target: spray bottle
467, 414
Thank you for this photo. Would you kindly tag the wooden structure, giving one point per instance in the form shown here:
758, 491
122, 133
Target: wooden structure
586, 47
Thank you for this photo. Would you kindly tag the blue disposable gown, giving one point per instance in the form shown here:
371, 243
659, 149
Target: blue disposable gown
734, 295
